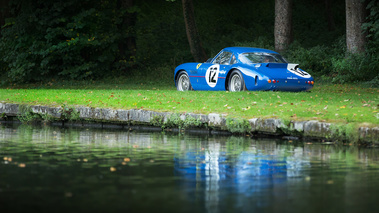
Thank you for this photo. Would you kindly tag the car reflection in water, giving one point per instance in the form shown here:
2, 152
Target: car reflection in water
213, 175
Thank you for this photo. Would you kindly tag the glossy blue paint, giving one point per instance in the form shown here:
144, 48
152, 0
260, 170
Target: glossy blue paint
215, 74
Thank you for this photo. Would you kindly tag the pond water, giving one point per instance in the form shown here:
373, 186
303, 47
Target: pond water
51, 169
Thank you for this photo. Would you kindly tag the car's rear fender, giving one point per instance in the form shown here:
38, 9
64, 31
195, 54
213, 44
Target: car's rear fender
253, 80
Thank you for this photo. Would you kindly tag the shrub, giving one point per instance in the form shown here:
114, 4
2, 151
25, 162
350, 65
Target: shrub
71, 39
355, 68
26, 115
316, 60
238, 125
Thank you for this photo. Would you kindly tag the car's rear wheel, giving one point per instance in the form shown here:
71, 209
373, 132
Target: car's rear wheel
236, 82
183, 83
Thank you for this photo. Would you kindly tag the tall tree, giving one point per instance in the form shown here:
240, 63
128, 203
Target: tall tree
355, 17
193, 36
283, 24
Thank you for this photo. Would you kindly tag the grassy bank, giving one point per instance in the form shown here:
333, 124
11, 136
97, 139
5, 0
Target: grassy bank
326, 102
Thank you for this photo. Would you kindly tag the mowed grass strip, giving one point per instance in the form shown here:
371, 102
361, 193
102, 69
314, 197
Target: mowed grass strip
326, 102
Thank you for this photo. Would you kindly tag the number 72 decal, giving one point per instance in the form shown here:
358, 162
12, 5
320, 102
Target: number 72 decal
211, 75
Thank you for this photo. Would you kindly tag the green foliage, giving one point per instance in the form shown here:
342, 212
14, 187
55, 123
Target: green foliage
173, 121
47, 118
374, 82
161, 35
371, 27
238, 125
88, 40
332, 61
356, 68
157, 121
191, 121
313, 60
3, 115
69, 113
345, 132
164, 73
26, 115
71, 39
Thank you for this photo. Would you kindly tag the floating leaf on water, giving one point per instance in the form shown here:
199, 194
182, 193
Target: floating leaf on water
68, 194
330, 182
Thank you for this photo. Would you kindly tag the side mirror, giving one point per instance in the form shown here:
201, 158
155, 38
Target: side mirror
209, 60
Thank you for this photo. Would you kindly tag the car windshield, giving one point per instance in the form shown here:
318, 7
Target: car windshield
253, 58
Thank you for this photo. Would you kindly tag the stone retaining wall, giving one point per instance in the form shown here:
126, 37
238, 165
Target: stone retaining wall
313, 129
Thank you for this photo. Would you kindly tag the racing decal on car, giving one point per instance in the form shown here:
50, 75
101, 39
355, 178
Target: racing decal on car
294, 68
211, 75
197, 67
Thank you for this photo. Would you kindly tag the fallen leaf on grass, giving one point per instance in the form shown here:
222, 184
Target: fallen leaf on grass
247, 108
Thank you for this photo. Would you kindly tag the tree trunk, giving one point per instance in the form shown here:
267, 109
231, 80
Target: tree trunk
283, 24
355, 17
193, 36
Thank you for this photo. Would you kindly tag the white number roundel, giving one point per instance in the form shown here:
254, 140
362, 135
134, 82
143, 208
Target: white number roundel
294, 68
211, 76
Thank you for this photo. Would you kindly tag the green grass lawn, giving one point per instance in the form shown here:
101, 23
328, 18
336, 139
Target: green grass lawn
326, 102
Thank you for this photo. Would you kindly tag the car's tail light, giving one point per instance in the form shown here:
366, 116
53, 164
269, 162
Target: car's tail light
272, 81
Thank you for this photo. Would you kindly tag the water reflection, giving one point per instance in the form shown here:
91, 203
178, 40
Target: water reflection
254, 168
48, 168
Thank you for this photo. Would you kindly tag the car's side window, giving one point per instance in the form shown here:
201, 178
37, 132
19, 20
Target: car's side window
233, 60
218, 59
223, 58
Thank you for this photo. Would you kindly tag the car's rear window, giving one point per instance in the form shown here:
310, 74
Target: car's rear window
253, 58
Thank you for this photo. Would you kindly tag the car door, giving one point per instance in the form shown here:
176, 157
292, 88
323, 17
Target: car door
213, 75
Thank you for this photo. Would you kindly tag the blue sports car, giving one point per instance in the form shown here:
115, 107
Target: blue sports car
243, 68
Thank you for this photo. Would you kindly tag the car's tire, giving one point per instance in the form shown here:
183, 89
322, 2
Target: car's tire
183, 83
236, 82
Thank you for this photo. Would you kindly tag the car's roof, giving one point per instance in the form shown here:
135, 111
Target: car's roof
239, 50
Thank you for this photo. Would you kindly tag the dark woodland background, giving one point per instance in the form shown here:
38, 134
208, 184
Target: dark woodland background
87, 40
